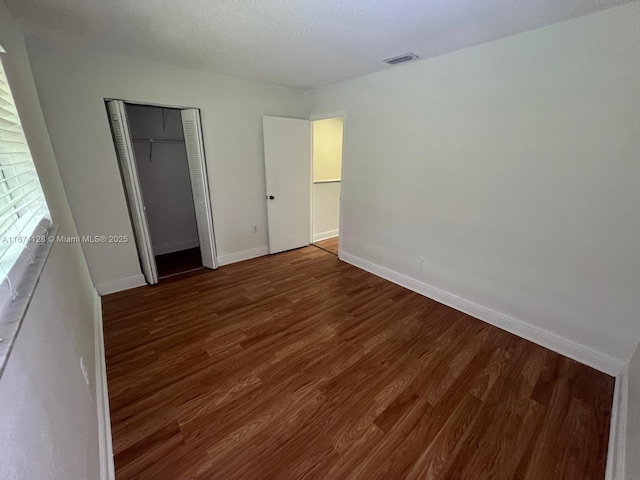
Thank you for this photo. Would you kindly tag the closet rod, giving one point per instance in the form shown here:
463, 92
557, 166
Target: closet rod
157, 140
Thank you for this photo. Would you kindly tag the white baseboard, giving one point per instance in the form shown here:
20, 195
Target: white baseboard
616, 456
324, 235
243, 255
114, 286
545, 338
107, 469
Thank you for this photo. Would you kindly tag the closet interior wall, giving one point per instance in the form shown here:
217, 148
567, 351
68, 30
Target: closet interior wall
161, 158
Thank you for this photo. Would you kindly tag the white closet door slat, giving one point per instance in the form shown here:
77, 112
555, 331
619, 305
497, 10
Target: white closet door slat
122, 137
192, 127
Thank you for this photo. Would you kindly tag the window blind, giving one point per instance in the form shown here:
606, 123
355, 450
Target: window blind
24, 215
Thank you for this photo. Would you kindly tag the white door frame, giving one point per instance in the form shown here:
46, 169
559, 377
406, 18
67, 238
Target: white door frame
324, 116
206, 176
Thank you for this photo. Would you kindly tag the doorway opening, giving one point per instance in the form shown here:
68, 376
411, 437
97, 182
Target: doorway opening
162, 163
303, 179
326, 148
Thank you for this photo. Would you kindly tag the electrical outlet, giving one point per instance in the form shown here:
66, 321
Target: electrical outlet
254, 228
85, 374
422, 263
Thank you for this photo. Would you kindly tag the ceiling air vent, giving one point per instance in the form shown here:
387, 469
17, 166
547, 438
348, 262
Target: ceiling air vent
405, 57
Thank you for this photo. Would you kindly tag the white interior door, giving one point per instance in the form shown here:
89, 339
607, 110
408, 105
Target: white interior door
287, 160
199, 186
127, 160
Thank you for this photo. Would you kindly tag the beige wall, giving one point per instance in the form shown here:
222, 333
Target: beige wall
327, 149
327, 165
48, 414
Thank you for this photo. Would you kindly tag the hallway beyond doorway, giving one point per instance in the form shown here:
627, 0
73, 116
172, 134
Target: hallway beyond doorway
328, 245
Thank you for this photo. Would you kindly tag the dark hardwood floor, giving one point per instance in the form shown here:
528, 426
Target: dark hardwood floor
298, 365
178, 262
329, 244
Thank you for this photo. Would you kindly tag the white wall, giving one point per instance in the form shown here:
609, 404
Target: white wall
73, 83
164, 178
513, 167
326, 210
48, 419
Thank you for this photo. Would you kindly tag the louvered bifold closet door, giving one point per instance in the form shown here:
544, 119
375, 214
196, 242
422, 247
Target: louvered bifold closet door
129, 170
22, 203
198, 172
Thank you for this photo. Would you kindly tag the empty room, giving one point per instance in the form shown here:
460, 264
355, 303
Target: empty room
325, 240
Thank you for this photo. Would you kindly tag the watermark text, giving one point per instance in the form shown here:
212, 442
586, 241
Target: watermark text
66, 239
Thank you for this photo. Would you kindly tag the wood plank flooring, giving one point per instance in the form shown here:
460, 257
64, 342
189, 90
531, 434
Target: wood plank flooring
178, 262
298, 365
329, 244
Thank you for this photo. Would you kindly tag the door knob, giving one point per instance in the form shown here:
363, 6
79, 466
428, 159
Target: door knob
271, 197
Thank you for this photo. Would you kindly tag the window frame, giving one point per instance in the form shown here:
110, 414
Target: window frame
27, 233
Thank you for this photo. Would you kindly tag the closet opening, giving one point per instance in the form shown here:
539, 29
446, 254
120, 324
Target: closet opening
161, 157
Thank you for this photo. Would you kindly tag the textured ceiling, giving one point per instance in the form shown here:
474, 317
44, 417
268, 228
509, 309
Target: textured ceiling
299, 43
